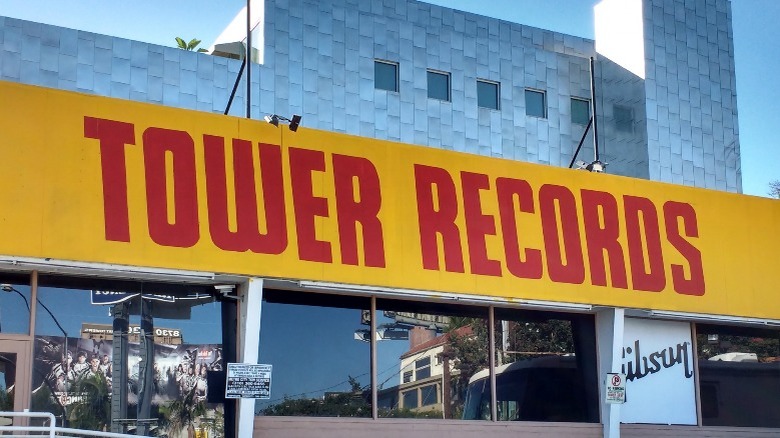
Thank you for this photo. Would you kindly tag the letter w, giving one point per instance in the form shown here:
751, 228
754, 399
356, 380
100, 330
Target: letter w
247, 235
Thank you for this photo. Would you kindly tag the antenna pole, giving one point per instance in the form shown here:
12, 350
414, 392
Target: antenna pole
593, 109
249, 60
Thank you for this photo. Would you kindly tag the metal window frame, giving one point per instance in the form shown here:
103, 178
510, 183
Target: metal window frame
396, 68
444, 74
497, 86
544, 102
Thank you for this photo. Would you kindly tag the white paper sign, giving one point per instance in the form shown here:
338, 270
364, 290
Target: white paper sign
246, 380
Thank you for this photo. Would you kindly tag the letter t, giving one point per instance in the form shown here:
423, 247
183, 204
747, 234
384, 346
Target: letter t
113, 137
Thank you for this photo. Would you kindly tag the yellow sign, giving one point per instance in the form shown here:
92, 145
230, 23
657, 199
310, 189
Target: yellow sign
102, 180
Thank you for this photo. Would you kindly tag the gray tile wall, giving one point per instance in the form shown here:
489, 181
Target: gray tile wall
56, 57
690, 83
319, 62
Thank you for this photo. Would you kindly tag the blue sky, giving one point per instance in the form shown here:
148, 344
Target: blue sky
756, 36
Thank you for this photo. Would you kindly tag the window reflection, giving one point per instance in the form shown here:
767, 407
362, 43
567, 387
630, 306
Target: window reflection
15, 299
75, 373
580, 111
545, 369
438, 85
535, 104
386, 75
624, 118
739, 376
487, 94
426, 354
321, 362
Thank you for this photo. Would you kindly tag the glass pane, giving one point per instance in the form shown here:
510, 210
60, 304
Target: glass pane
410, 399
438, 85
428, 395
74, 368
426, 355
534, 103
545, 368
624, 118
385, 76
739, 376
7, 384
487, 94
580, 111
15, 304
320, 356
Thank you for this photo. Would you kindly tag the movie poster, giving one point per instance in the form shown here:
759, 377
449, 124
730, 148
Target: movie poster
69, 375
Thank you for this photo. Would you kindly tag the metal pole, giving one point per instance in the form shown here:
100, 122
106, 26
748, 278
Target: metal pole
374, 390
492, 362
121, 314
146, 370
248, 60
579, 146
593, 109
235, 86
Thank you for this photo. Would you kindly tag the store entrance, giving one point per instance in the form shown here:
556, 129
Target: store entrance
14, 378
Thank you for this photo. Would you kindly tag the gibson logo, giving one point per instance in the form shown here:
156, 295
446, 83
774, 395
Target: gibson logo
640, 366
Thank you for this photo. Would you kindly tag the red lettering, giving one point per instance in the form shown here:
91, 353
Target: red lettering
478, 225
438, 218
247, 235
307, 206
572, 269
695, 284
349, 172
602, 229
507, 190
183, 230
641, 279
113, 137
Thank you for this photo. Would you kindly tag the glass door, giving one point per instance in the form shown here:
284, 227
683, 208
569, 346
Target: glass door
14, 381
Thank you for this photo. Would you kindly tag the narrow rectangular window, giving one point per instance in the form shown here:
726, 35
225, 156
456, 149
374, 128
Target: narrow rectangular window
422, 368
624, 118
438, 85
535, 103
487, 94
386, 75
580, 111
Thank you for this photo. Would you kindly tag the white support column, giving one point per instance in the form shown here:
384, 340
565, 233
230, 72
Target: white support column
251, 294
609, 332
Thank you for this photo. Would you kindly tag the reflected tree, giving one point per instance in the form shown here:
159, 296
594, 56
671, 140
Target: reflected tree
92, 409
6, 400
354, 403
766, 349
184, 413
774, 188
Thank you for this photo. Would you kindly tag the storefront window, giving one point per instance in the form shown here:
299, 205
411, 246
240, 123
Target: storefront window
14, 304
75, 368
320, 365
545, 369
739, 376
426, 354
